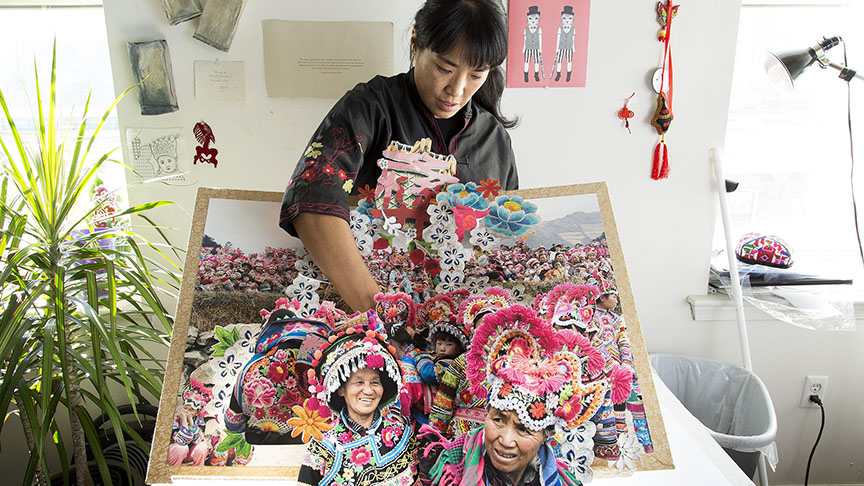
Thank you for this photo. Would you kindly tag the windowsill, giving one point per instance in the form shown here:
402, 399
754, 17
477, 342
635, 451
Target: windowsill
720, 307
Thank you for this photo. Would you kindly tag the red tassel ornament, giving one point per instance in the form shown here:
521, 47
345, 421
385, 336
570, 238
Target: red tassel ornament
660, 168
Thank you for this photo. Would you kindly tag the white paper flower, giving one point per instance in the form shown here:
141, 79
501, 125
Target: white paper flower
483, 238
364, 244
307, 267
440, 214
358, 222
453, 256
450, 281
376, 227
577, 446
440, 236
309, 307
630, 448
401, 241
303, 290
477, 285
517, 294
391, 226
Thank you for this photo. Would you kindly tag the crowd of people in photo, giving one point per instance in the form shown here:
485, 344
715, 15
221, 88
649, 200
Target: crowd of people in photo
225, 267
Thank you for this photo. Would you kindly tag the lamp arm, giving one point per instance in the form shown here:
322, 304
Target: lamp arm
846, 74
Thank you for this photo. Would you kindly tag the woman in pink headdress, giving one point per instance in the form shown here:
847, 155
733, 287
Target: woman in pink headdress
539, 400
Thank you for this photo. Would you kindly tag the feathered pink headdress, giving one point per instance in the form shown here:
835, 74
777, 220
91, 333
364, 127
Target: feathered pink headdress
520, 363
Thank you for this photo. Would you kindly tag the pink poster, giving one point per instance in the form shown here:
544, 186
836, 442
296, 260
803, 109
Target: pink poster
548, 43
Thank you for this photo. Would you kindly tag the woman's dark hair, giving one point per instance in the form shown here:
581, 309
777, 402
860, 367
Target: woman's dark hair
481, 27
398, 333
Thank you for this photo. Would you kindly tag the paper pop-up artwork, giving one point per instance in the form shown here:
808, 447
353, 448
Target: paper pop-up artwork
255, 310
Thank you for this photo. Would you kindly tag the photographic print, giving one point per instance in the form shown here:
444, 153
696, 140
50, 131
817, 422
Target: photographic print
254, 308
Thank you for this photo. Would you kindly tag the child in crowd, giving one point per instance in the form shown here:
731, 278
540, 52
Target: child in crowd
456, 410
189, 442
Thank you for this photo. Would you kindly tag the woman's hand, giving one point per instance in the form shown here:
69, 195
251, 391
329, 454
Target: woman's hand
330, 242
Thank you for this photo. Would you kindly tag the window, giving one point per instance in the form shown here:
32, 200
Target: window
83, 64
790, 153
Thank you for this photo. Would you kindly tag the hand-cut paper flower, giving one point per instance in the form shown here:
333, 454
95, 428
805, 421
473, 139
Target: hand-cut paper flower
432, 266
440, 236
482, 238
464, 196
489, 187
453, 256
517, 294
358, 222
391, 226
467, 204
364, 244
307, 267
575, 447
477, 285
365, 208
228, 366
511, 216
440, 214
366, 193
630, 448
348, 186
303, 289
309, 423
450, 281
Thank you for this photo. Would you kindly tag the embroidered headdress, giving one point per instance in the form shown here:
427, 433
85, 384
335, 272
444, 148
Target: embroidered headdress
566, 305
437, 309
396, 309
520, 363
473, 308
346, 352
196, 394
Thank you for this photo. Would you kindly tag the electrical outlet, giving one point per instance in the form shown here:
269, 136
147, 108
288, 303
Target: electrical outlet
813, 385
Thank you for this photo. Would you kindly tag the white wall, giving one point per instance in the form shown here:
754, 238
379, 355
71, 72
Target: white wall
566, 136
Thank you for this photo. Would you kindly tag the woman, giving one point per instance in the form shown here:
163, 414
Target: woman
450, 97
356, 377
539, 401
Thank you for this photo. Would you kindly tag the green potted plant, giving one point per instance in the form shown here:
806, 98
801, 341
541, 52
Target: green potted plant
79, 320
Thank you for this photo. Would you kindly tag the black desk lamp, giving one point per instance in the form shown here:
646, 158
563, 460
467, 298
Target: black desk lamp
785, 67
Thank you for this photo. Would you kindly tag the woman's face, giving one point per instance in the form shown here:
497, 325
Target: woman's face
509, 444
362, 393
446, 81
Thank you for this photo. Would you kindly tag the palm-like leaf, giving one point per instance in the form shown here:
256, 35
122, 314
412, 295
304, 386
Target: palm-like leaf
76, 318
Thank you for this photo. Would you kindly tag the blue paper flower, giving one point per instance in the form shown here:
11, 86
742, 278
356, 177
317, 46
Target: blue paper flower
511, 216
464, 195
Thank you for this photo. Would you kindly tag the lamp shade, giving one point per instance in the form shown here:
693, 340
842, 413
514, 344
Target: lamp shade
784, 68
